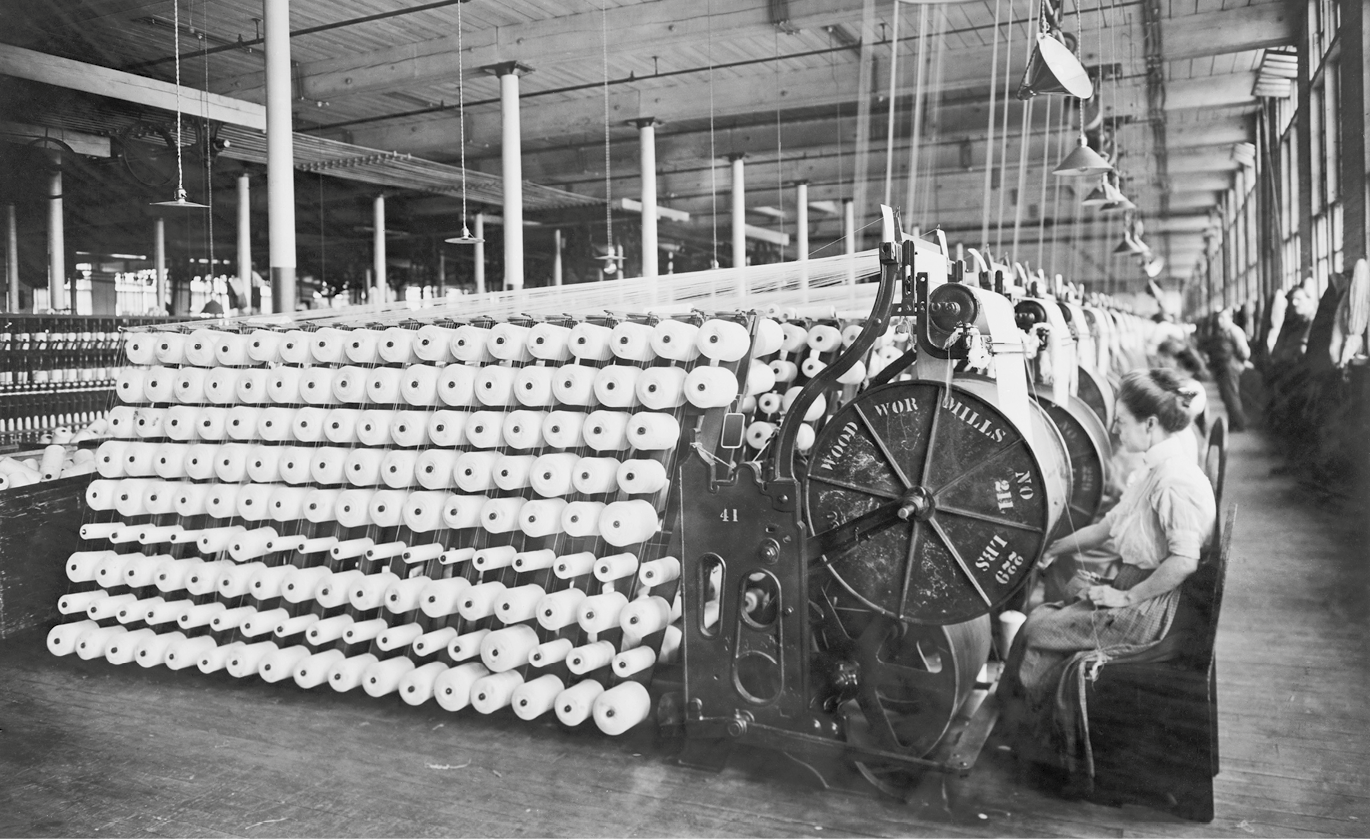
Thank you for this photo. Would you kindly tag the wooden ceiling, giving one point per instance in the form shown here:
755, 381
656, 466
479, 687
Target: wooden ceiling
780, 81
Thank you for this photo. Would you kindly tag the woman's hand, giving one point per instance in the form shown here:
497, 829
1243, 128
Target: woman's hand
1051, 554
1108, 597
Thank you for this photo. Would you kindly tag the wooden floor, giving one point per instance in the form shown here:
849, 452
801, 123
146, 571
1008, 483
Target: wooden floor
88, 748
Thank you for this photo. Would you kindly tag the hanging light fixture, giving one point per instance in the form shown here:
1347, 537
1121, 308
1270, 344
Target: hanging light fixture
180, 201
1082, 160
1098, 196
465, 238
1052, 66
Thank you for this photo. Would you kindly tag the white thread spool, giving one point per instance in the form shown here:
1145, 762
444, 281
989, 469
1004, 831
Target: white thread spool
509, 342
110, 458
100, 494
574, 384
507, 648
471, 344
434, 343
519, 604
534, 386
121, 650
149, 422
210, 423
387, 507
812, 366
784, 371
606, 431
317, 385
641, 477
723, 340
253, 386
769, 403
189, 385
264, 346
796, 337
564, 429
588, 657
474, 471
141, 347
542, 517
760, 433
231, 618
815, 411
632, 341
230, 462
100, 530
142, 570
168, 348
824, 338
646, 615
549, 342
403, 595
266, 583
254, 502
187, 652
600, 612
433, 468
615, 567
331, 629
159, 385
803, 441
441, 598
531, 700
200, 615
281, 665
246, 660
616, 385
283, 385
419, 385
479, 601
534, 560
409, 429
631, 662
457, 385
397, 345
495, 385
214, 659
581, 518
77, 603
855, 375
760, 378
328, 345
346, 385
485, 429
523, 429
128, 498
497, 556
552, 474
362, 346
250, 544
108, 607
62, 638
241, 422
676, 340
423, 511
221, 385
398, 636
661, 388
463, 511
139, 459
431, 642
501, 515
626, 523
383, 385
447, 429
205, 579
711, 387
591, 342
191, 500
366, 630
351, 509
595, 475
264, 623
199, 347
621, 707
274, 424
313, 671
560, 609
648, 431
172, 574
397, 468
306, 425
550, 652
452, 689
129, 385
347, 674
325, 466
770, 336
467, 645
301, 584
493, 692
575, 704
120, 422
373, 426
340, 425
659, 571
161, 611
416, 687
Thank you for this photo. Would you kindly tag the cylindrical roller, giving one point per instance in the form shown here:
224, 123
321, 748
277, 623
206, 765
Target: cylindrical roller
434, 343
534, 386
467, 645
431, 642
479, 601
149, 423
518, 604
760, 433
141, 347
511, 472
621, 707
581, 518
441, 598
493, 692
575, 704
646, 615
591, 342
659, 571
308, 425
534, 560
485, 429
313, 671
463, 511
631, 662
77, 602
723, 340
711, 387
649, 431
321, 505
189, 385
128, 386
550, 652
202, 580
287, 503
139, 459
496, 556
365, 630
221, 386
770, 336
168, 347
110, 457
457, 385
447, 429
549, 342
327, 345
769, 403
824, 338
600, 612
471, 344
172, 574
383, 677
509, 341
616, 385
641, 477
340, 426
416, 686
266, 582
628, 523
210, 423
397, 345
265, 622
319, 384
542, 517
452, 688
347, 674
676, 340
62, 638
564, 429
783, 371
383, 385
231, 618
559, 609
329, 629
373, 426
574, 384
661, 388
419, 385
403, 595
632, 341
474, 471
590, 656
369, 592
523, 429
254, 501
159, 385
253, 386
552, 474
274, 424
100, 494
281, 664
616, 567
283, 385
121, 650
507, 648
397, 468
120, 422
214, 659
386, 508
531, 700
434, 469
425, 512
500, 515
606, 431
92, 643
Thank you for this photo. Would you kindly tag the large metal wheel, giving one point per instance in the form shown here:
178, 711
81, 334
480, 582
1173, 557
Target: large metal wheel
1087, 444
1097, 393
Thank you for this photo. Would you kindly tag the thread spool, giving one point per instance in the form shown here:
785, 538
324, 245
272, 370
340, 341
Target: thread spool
128, 497
306, 425
711, 387
497, 556
509, 341
434, 468
264, 623
659, 571
581, 518
646, 615
534, 560
591, 342
283, 385
447, 429
606, 431
100, 494
149, 423
318, 384
507, 648
422, 553
434, 343
141, 347
770, 336
199, 347
419, 385
264, 346
139, 459
457, 385
328, 345
625, 523
340, 425
600, 612
210, 423
186, 652
423, 512
485, 429
128, 385
441, 598
495, 385
92, 643
501, 515
416, 686
573, 384
648, 431
214, 659
467, 645
615, 385
452, 688
347, 674
77, 602
331, 629
495, 691
621, 707
192, 500
247, 658
676, 340
550, 652
347, 385
320, 505
559, 609
542, 517
314, 670
386, 508
172, 574
812, 366
474, 471
200, 615
803, 441
274, 424
231, 618
522, 429
769, 403
824, 338
230, 462
564, 429
298, 625
159, 385
588, 657
397, 468
723, 340
122, 649
575, 704
158, 534
253, 386
141, 570
534, 386
397, 345
403, 595
362, 467
814, 412
266, 582
519, 604
111, 457
281, 665
383, 385
120, 422
479, 601
431, 642
759, 434
168, 348
632, 341
783, 370
301, 584
188, 385
204, 580
796, 337
552, 475
641, 477
241, 422
471, 344
531, 700
549, 342
62, 639
221, 385
463, 511
631, 662
511, 471
615, 567
363, 631
351, 510
661, 388
398, 636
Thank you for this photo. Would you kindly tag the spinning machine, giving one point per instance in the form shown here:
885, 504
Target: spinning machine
776, 526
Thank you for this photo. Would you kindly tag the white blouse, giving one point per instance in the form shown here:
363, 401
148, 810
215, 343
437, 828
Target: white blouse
1167, 509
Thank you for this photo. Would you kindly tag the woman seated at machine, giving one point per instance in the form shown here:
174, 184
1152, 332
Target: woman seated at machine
1154, 534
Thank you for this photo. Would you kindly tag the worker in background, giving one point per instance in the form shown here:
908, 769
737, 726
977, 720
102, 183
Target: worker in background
1166, 514
1229, 353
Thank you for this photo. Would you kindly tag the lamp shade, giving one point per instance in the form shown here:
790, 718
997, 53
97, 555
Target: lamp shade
1082, 162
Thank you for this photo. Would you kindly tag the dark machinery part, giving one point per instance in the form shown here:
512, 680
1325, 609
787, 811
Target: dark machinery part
1086, 441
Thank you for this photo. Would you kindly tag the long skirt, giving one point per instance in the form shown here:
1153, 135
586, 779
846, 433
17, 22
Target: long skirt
1060, 648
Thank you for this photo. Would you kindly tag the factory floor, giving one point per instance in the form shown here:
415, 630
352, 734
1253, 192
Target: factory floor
88, 748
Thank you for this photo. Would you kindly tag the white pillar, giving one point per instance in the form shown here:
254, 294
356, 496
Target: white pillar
849, 235
556, 257
245, 236
379, 290
12, 258
57, 243
802, 236
479, 251
280, 155
646, 135
442, 275
739, 212
512, 171
159, 262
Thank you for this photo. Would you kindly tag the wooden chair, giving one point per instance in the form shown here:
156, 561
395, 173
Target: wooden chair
1153, 717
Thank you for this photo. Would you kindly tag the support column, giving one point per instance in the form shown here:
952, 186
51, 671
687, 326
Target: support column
556, 257
442, 275
512, 157
646, 135
802, 236
478, 254
11, 258
379, 289
1354, 111
159, 263
739, 211
57, 243
849, 235
280, 156
245, 236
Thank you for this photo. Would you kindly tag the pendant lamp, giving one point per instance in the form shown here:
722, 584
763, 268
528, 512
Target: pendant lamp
465, 238
180, 201
1053, 67
1098, 196
1082, 162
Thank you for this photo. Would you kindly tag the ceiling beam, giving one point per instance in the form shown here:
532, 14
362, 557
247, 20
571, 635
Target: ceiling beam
1214, 91
90, 145
1229, 30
